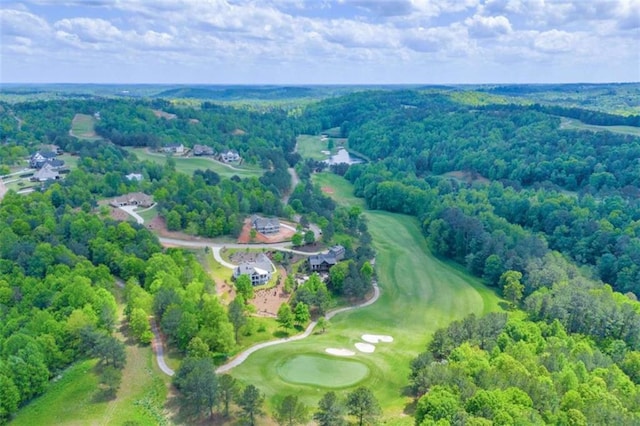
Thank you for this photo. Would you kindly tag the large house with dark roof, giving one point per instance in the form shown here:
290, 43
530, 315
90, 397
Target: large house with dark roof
133, 199
259, 271
324, 261
39, 159
265, 226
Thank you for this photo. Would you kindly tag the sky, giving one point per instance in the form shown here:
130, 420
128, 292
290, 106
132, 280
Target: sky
293, 42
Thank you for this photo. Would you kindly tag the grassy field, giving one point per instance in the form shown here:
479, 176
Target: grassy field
419, 294
83, 127
571, 124
191, 164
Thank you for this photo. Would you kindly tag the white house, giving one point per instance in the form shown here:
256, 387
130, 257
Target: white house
259, 271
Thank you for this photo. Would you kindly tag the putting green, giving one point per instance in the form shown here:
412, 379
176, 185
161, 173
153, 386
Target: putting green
316, 370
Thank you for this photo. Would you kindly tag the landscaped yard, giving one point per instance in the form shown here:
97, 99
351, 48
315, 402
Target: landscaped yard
191, 164
310, 146
419, 294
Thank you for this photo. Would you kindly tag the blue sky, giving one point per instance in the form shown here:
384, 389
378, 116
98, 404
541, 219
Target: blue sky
319, 41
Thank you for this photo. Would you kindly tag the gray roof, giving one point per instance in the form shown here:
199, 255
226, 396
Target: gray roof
262, 222
319, 259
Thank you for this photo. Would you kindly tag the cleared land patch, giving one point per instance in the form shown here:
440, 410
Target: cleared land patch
317, 370
83, 127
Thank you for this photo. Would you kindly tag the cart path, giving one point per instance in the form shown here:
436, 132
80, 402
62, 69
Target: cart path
158, 348
242, 356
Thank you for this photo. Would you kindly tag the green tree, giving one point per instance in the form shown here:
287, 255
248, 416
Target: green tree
198, 349
228, 390
285, 316
110, 378
291, 411
363, 405
296, 240
139, 323
250, 401
309, 237
331, 411
322, 324
244, 287
301, 314
512, 288
439, 403
198, 385
110, 350
237, 314
9, 397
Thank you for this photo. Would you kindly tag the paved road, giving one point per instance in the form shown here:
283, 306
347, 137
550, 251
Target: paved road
201, 243
242, 356
159, 350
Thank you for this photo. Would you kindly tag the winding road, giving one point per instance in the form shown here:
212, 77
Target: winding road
158, 348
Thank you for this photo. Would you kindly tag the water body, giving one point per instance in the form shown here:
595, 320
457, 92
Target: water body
343, 156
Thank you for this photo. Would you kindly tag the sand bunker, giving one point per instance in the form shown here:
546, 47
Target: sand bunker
365, 347
340, 352
376, 338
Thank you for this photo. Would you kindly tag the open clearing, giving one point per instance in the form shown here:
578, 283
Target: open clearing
83, 127
319, 370
191, 164
420, 294
310, 146
573, 124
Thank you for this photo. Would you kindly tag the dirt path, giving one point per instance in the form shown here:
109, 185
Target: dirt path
295, 180
242, 356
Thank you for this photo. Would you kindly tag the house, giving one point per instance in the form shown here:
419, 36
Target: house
324, 261
46, 172
259, 271
133, 199
173, 148
134, 176
265, 226
230, 156
199, 150
38, 159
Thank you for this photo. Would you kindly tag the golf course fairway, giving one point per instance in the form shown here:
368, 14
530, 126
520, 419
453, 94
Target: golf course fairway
419, 294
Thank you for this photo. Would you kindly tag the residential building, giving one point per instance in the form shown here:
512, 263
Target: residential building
38, 159
324, 261
134, 176
133, 199
199, 150
173, 148
266, 226
46, 172
230, 156
259, 271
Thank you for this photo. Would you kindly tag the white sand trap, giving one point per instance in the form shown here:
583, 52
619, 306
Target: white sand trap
365, 347
340, 352
377, 338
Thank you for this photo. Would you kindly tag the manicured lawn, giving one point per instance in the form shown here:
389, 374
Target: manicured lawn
191, 164
419, 294
323, 371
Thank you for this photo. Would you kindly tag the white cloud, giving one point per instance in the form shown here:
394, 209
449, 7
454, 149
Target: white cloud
488, 26
555, 41
14, 22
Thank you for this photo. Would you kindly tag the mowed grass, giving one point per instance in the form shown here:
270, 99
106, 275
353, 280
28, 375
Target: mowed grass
310, 146
572, 124
83, 127
419, 294
322, 371
191, 164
